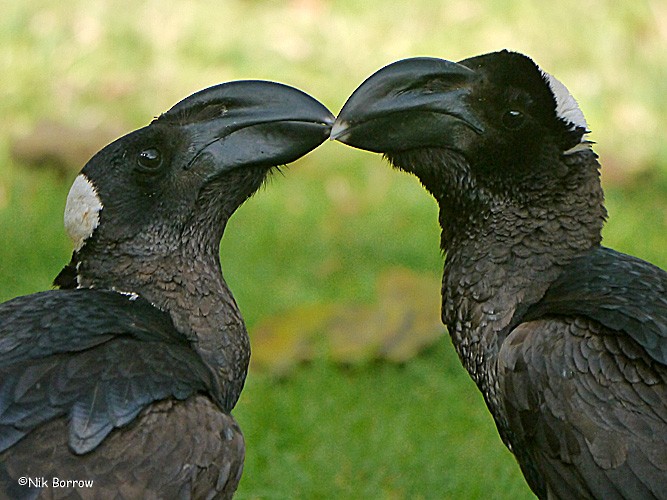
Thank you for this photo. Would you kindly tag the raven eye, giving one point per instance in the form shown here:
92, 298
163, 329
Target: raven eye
149, 159
513, 119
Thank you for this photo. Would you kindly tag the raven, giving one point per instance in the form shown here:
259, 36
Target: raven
126, 376
565, 339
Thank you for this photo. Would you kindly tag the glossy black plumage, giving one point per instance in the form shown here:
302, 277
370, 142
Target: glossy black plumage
619, 291
127, 375
41, 380
566, 339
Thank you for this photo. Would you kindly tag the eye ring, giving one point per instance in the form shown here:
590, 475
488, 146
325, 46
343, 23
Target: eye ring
513, 119
150, 159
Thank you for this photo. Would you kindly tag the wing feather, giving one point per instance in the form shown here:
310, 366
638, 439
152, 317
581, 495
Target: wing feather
579, 427
65, 352
619, 291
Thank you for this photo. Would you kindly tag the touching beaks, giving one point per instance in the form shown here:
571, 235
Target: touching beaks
411, 103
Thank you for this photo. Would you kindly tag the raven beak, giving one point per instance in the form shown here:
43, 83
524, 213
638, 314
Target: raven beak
251, 123
417, 102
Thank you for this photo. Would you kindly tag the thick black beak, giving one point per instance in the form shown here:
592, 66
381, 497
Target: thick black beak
251, 123
417, 102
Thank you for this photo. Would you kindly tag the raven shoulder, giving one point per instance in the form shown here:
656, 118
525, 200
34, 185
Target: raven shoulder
76, 364
621, 292
65, 353
583, 381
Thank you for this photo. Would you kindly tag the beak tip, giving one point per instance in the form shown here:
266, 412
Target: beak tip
339, 131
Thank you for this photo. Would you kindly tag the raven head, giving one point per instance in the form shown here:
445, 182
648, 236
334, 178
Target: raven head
175, 182
493, 126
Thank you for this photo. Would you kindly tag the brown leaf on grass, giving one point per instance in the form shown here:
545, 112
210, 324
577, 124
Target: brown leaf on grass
411, 303
404, 321
281, 342
356, 336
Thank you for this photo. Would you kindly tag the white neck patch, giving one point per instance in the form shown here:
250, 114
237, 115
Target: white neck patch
566, 105
568, 109
82, 211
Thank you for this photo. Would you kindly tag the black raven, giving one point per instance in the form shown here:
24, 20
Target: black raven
125, 376
566, 339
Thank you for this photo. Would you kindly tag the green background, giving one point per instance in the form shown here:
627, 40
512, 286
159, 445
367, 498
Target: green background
337, 219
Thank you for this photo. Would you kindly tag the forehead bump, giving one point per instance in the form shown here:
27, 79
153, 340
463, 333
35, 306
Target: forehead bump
82, 211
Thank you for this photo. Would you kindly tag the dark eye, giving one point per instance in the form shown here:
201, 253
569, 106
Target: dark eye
513, 119
149, 159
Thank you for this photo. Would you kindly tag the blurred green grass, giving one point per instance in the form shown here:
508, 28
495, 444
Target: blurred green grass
326, 229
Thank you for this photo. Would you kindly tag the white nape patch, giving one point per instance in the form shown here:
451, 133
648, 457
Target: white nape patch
82, 211
567, 107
